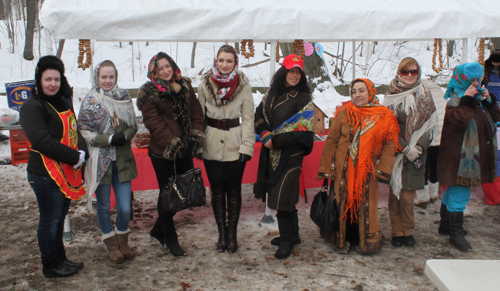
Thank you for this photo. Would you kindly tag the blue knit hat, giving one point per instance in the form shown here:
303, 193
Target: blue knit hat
462, 77
472, 70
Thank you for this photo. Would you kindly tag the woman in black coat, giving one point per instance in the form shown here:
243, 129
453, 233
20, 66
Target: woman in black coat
284, 120
58, 152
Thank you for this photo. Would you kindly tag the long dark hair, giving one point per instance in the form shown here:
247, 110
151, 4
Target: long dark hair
278, 83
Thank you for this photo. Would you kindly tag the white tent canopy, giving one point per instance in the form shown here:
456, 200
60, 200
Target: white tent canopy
265, 20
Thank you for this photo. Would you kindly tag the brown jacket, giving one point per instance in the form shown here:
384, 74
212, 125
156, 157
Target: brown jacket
331, 165
456, 121
282, 184
164, 116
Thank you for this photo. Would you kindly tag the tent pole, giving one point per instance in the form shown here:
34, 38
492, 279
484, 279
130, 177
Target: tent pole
48, 42
353, 59
273, 60
465, 49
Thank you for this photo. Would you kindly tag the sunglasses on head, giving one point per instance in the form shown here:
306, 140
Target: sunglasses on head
408, 72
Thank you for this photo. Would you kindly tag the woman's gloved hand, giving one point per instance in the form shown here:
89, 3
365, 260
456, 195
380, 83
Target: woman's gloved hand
413, 152
80, 161
244, 158
118, 139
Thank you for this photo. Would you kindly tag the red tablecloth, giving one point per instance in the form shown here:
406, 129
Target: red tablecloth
146, 179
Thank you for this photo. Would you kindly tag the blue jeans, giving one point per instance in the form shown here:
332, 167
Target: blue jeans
123, 194
53, 207
456, 197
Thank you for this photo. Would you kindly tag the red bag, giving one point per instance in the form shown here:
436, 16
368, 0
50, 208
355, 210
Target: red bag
492, 192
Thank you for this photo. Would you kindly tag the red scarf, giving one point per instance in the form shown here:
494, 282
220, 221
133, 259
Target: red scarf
233, 83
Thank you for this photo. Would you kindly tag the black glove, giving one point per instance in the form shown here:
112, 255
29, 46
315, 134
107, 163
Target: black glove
244, 158
118, 139
191, 150
199, 156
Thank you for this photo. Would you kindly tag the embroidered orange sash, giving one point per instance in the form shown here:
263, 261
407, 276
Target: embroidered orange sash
69, 180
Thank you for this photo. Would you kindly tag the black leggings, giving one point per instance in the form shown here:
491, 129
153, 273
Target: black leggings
431, 164
163, 170
225, 175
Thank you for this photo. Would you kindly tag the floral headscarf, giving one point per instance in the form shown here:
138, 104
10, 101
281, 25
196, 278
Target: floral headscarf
153, 69
227, 82
461, 79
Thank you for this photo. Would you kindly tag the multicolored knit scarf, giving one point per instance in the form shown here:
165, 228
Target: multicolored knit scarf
372, 125
227, 82
163, 86
301, 121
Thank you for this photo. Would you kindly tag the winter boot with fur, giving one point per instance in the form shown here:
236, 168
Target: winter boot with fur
233, 215
296, 238
433, 192
285, 225
112, 247
457, 235
122, 238
219, 208
422, 197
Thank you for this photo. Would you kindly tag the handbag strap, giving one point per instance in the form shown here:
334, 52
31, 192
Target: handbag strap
331, 192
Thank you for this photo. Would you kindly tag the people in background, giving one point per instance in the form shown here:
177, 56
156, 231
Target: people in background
174, 118
226, 99
414, 108
284, 120
107, 121
468, 154
58, 152
358, 152
492, 74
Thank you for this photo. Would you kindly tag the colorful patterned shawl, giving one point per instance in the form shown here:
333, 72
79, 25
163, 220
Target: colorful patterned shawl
160, 84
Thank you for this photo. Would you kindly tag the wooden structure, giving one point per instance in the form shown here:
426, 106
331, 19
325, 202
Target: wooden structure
319, 120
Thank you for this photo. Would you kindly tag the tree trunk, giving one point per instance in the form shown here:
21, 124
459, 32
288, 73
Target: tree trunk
32, 7
314, 66
60, 48
449, 47
193, 54
494, 43
237, 47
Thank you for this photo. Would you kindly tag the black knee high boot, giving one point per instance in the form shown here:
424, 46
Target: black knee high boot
296, 238
233, 215
285, 225
170, 235
219, 208
457, 232
444, 224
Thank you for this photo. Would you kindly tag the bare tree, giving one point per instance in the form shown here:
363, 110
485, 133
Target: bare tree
193, 54
10, 24
32, 15
494, 43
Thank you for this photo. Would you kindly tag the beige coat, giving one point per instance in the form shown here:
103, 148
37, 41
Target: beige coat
226, 145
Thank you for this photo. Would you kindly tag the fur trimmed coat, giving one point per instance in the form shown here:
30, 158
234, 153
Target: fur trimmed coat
332, 161
174, 121
227, 145
456, 122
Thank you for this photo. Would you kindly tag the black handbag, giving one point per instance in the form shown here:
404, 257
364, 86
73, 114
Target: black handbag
325, 210
183, 191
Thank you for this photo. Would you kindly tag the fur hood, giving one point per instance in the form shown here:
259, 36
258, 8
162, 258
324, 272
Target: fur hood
149, 91
210, 89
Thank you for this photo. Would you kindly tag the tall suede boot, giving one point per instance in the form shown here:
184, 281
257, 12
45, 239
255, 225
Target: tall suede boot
112, 247
457, 232
122, 238
219, 208
170, 235
285, 225
233, 215
296, 238
444, 224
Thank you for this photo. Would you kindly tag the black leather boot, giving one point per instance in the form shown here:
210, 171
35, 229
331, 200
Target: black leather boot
233, 215
457, 232
170, 235
219, 208
285, 225
296, 238
61, 270
444, 224
157, 232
